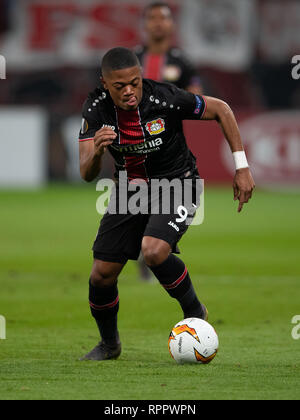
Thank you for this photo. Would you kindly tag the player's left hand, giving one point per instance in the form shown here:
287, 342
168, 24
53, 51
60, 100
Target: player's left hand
243, 186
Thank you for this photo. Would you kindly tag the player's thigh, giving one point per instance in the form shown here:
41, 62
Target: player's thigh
166, 228
119, 237
172, 220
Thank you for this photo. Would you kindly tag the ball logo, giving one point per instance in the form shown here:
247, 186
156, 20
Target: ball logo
272, 144
155, 127
193, 340
2, 67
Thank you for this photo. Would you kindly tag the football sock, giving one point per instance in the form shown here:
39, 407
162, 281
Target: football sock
104, 304
174, 277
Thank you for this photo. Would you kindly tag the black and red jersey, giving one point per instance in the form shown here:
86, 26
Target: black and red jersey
171, 67
150, 141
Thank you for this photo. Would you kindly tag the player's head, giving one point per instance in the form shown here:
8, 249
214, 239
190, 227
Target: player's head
158, 21
122, 77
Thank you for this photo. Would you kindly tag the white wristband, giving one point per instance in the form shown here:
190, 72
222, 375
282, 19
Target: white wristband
240, 160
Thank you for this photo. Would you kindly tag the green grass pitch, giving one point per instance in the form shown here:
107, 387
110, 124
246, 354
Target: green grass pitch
245, 268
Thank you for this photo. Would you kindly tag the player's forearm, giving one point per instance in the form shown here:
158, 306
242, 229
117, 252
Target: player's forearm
227, 121
220, 111
90, 166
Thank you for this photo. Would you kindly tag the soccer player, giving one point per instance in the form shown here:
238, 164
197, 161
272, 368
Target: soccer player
139, 121
160, 59
163, 62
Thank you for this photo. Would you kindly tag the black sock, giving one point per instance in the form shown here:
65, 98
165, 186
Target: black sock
104, 304
174, 277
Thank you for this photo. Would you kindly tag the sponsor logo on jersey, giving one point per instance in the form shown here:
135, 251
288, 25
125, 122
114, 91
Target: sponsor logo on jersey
146, 147
155, 127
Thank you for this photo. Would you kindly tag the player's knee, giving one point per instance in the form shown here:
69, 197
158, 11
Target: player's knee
154, 252
98, 280
102, 276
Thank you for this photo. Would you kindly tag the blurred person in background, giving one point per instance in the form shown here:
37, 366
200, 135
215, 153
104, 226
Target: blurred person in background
4, 17
160, 59
163, 62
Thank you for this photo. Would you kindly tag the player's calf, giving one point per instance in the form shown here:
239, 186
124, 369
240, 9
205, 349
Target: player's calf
104, 300
174, 277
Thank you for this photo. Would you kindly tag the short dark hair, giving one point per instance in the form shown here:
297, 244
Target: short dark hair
119, 58
156, 4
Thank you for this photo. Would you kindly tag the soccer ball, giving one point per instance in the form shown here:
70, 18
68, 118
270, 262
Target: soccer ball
193, 341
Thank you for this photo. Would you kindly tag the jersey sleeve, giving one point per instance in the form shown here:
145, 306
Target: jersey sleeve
90, 122
189, 106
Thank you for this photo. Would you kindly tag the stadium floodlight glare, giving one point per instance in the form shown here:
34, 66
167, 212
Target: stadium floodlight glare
2, 67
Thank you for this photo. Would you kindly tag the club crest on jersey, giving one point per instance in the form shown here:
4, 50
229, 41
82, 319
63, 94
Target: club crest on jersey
155, 127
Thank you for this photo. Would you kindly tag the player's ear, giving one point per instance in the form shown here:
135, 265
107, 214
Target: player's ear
103, 82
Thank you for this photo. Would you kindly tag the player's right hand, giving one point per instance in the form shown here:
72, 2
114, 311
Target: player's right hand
103, 138
243, 186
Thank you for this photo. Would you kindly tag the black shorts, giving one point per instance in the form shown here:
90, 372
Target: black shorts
120, 236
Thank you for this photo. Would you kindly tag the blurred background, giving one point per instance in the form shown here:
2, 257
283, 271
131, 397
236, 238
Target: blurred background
242, 49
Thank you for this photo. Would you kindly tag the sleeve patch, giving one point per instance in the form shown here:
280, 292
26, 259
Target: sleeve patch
84, 126
198, 105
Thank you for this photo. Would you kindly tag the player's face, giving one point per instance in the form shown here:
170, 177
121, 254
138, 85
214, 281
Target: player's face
125, 87
159, 23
